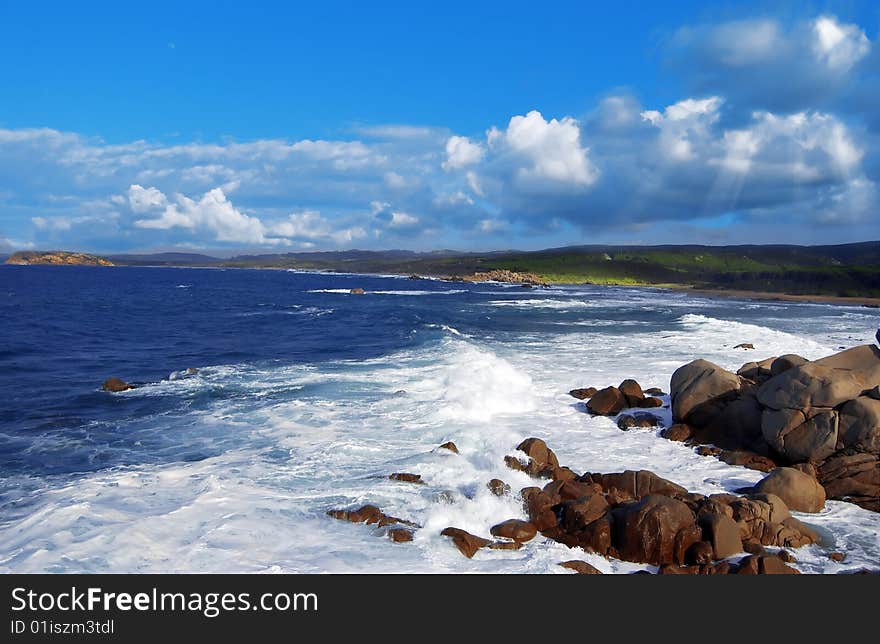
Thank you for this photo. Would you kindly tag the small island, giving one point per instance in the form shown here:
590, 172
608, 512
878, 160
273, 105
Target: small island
56, 258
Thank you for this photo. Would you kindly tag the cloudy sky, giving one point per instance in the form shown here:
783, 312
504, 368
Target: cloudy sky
468, 125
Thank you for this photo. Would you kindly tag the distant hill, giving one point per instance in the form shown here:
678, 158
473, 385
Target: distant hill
847, 270
56, 258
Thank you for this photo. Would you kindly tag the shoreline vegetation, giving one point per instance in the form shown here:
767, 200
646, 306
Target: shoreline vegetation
842, 274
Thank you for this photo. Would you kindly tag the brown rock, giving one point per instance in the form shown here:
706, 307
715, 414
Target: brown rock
650, 402
656, 530
708, 450
786, 556
365, 514
450, 446
641, 421
498, 487
747, 460
723, 534
637, 483
505, 545
515, 464
699, 388
745, 345
563, 474
786, 362
854, 478
467, 543
700, 553
764, 565
797, 490
607, 402
583, 394
581, 567
407, 477
400, 535
654, 391
116, 385
357, 291
577, 514
837, 556
514, 529
678, 432
543, 460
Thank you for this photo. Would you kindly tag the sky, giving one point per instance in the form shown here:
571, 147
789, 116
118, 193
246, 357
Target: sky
277, 126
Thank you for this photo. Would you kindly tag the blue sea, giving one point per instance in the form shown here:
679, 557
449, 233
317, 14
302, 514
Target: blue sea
305, 397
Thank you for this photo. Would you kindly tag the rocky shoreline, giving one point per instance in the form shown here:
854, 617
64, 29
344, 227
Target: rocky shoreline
814, 427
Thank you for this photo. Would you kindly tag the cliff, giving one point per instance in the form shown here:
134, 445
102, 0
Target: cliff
56, 258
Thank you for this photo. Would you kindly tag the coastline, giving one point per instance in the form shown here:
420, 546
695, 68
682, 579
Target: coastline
868, 302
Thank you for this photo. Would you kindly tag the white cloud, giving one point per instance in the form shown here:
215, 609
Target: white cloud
213, 213
840, 46
544, 151
461, 152
402, 220
309, 226
144, 200
682, 122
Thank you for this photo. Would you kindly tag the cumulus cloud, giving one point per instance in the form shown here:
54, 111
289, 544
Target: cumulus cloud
778, 126
461, 152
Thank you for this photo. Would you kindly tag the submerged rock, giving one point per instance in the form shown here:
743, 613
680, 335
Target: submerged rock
116, 385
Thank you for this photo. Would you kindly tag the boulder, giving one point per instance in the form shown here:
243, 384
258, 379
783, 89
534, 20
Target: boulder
116, 385
699, 388
636, 484
357, 291
764, 565
734, 425
406, 477
649, 403
467, 543
365, 514
654, 391
678, 432
699, 553
786, 362
744, 345
642, 421
656, 530
748, 460
722, 533
757, 371
542, 457
854, 478
498, 487
400, 535
632, 391
514, 529
575, 515
797, 490
607, 402
581, 567
583, 394
828, 382
449, 446
859, 425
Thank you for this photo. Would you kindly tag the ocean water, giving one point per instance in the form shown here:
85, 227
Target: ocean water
307, 397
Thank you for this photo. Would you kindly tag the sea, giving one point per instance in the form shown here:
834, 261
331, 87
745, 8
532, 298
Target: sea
265, 398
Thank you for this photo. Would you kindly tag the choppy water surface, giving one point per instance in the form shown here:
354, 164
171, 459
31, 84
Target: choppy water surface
307, 397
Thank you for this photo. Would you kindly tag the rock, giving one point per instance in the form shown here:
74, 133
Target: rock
786, 556
678, 432
799, 437
607, 402
116, 385
583, 394
764, 565
407, 477
636, 484
854, 478
656, 530
859, 425
744, 345
641, 421
837, 556
723, 534
654, 391
708, 450
365, 514
467, 543
581, 567
575, 515
807, 468
734, 424
450, 446
700, 553
699, 389
827, 383
797, 490
786, 362
498, 487
632, 391
514, 529
542, 459
649, 402
747, 460
539, 507
505, 545
400, 535
758, 372
357, 291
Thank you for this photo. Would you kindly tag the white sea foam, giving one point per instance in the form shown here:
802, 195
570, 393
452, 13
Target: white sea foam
307, 438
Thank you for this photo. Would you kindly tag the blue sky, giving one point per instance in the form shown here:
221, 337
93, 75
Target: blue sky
443, 125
